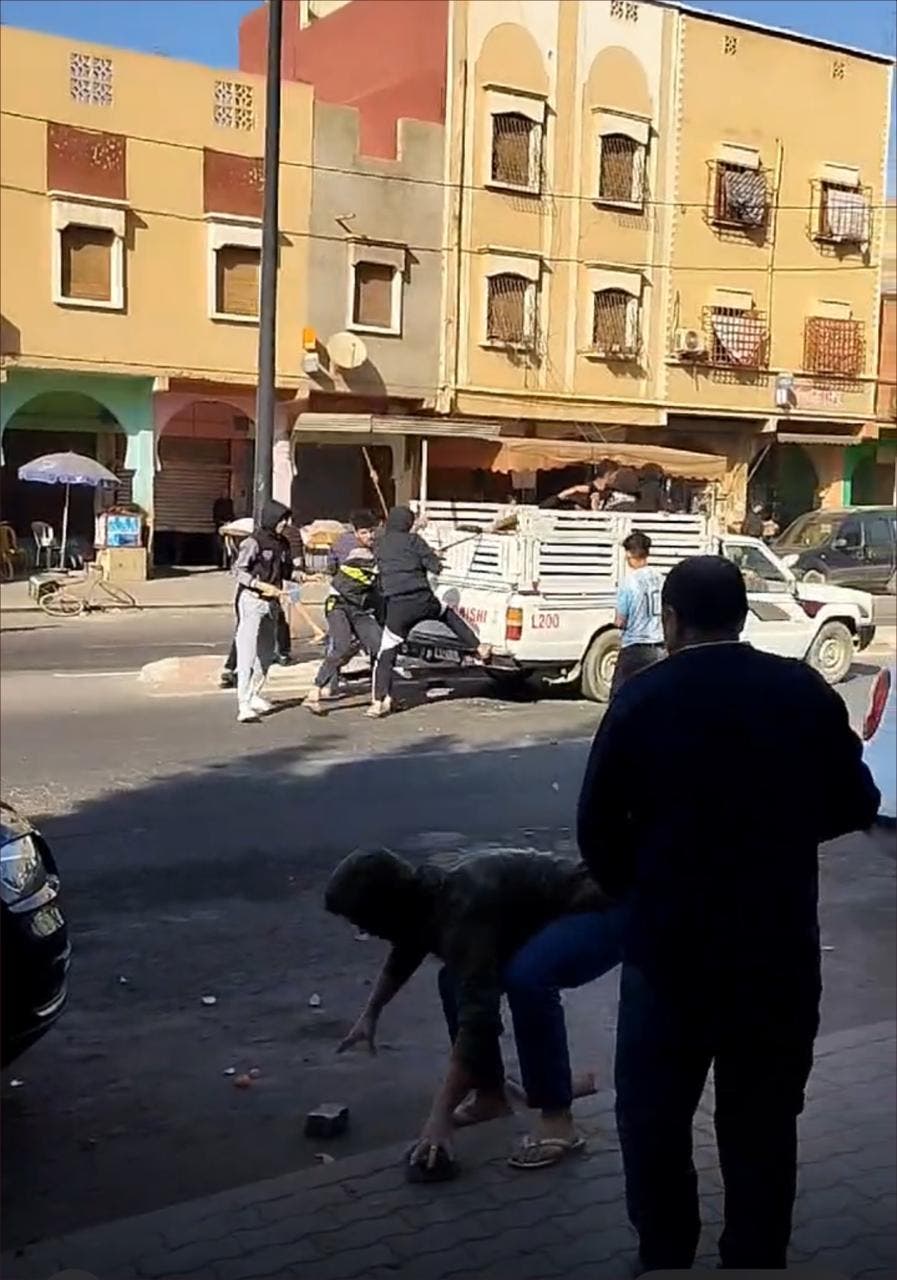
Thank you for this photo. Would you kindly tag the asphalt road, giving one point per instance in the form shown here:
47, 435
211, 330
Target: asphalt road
193, 851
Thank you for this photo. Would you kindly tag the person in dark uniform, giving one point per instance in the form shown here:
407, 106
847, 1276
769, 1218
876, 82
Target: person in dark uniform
404, 561
721, 960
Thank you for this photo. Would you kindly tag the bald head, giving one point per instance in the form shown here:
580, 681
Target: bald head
704, 600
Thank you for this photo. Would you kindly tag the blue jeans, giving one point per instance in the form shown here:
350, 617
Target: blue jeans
760, 1042
567, 953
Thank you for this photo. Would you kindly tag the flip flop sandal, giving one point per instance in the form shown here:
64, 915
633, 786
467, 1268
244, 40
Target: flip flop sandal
444, 1168
539, 1153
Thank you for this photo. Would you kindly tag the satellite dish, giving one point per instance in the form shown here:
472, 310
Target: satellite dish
347, 351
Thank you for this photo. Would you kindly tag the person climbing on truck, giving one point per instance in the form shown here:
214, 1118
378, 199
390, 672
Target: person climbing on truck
405, 560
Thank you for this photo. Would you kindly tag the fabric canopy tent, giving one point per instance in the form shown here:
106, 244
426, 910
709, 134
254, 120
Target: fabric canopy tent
548, 455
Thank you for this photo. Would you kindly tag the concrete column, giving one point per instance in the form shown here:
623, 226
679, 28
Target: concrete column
829, 462
282, 473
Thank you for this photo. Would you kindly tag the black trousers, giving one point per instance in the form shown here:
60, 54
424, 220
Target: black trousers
347, 627
632, 659
403, 613
283, 641
760, 1044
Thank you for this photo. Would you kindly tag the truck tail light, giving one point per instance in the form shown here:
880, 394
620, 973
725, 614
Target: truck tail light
513, 624
878, 700
810, 607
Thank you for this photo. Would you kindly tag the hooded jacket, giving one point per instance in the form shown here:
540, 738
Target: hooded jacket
404, 559
265, 555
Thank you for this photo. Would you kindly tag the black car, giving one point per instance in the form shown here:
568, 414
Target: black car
34, 938
853, 547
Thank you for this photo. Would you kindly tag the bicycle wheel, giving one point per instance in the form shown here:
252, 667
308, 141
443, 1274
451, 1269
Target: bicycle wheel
118, 598
61, 604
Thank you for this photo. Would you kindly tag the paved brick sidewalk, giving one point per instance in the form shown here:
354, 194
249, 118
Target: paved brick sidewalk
357, 1218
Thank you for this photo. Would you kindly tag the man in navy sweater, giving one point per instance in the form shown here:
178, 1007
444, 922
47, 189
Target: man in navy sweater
713, 842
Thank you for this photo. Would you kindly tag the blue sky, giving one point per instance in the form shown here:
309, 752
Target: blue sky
206, 30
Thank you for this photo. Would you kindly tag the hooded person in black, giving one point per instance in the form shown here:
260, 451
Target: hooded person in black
264, 562
405, 561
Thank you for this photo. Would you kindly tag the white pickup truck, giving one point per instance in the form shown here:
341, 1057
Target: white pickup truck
544, 594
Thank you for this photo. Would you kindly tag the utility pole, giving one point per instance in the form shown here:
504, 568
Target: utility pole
267, 367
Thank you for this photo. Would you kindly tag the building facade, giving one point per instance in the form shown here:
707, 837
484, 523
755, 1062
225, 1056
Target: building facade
648, 237
131, 232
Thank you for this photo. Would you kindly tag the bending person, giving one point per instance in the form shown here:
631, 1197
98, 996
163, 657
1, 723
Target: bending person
405, 560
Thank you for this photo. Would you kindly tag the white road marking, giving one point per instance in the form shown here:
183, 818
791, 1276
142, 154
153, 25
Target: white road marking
90, 675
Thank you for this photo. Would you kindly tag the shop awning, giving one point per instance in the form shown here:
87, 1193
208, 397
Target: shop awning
815, 437
395, 424
548, 455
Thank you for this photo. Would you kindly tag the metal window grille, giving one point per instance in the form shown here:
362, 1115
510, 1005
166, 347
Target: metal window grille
844, 213
737, 338
516, 150
740, 196
510, 309
615, 323
90, 80
233, 105
624, 10
622, 170
834, 346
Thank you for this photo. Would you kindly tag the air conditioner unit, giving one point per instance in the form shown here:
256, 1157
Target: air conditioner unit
690, 344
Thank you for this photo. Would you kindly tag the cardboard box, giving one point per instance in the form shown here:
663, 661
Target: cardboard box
123, 564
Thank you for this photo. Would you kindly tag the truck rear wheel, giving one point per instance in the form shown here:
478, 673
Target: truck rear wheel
831, 653
598, 666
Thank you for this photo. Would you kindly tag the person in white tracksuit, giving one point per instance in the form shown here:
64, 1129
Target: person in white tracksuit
263, 564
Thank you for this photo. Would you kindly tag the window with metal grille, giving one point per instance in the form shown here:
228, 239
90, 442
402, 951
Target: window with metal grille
87, 263
621, 170
510, 315
516, 151
740, 196
90, 79
372, 301
237, 280
233, 105
736, 337
836, 347
615, 327
844, 213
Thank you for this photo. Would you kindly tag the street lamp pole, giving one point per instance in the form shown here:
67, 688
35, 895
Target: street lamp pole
267, 366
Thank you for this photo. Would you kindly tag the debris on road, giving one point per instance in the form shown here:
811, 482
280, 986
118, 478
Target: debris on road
209, 1000
323, 1157
255, 1073
229, 1071
328, 1120
16, 1084
122, 980
361, 936
242, 1082
439, 692
315, 1001
555, 786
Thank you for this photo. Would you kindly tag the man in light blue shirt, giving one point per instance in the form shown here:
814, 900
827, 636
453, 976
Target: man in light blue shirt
638, 612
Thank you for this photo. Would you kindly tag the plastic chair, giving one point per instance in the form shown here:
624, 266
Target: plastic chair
9, 551
45, 542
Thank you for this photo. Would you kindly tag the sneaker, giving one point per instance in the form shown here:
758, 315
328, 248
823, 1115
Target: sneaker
227, 680
377, 710
246, 715
261, 706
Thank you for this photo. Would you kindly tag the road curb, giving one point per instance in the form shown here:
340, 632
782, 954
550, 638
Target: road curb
200, 673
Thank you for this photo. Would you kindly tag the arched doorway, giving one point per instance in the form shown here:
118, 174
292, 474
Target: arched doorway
785, 483
58, 422
204, 457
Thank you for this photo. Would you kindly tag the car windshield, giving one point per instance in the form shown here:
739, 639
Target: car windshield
809, 531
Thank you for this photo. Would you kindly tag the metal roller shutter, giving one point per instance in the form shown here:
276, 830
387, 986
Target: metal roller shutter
194, 473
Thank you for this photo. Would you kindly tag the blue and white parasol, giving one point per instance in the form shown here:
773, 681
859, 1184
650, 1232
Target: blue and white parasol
67, 469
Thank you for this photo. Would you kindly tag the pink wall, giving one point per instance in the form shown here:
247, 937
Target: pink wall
385, 57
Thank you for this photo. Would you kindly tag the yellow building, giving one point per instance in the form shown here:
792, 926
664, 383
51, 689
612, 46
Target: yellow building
665, 226
131, 232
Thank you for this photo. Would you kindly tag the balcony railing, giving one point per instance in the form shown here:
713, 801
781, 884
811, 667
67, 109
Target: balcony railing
833, 347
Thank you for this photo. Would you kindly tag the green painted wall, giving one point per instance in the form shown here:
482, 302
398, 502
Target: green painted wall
129, 400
